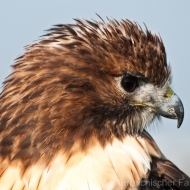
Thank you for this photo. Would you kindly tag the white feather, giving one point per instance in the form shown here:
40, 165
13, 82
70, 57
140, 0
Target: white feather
118, 165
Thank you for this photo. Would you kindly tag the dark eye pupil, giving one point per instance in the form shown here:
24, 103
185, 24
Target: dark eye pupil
129, 83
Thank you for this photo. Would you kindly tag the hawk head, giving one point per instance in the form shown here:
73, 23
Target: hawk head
84, 81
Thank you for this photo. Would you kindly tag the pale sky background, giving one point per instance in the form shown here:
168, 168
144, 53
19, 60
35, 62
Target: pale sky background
22, 22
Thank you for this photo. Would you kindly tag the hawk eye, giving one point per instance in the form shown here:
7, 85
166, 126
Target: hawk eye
129, 83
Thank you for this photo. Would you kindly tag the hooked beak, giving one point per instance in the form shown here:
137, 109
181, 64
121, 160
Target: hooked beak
171, 107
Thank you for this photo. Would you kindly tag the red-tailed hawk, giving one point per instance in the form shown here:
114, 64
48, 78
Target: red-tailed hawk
73, 112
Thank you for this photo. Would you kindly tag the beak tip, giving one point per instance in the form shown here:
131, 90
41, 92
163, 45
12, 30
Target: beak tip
178, 125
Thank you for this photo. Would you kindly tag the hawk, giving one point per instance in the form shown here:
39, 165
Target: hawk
74, 111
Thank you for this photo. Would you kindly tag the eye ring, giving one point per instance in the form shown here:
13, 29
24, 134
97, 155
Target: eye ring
129, 83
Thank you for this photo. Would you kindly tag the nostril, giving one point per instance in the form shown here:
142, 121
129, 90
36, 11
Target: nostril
166, 95
169, 93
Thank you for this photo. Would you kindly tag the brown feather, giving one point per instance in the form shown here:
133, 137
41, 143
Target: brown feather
62, 96
164, 175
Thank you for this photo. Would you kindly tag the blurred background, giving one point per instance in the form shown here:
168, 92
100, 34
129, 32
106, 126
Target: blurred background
22, 22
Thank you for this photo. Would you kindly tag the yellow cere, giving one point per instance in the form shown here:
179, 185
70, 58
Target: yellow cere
169, 93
